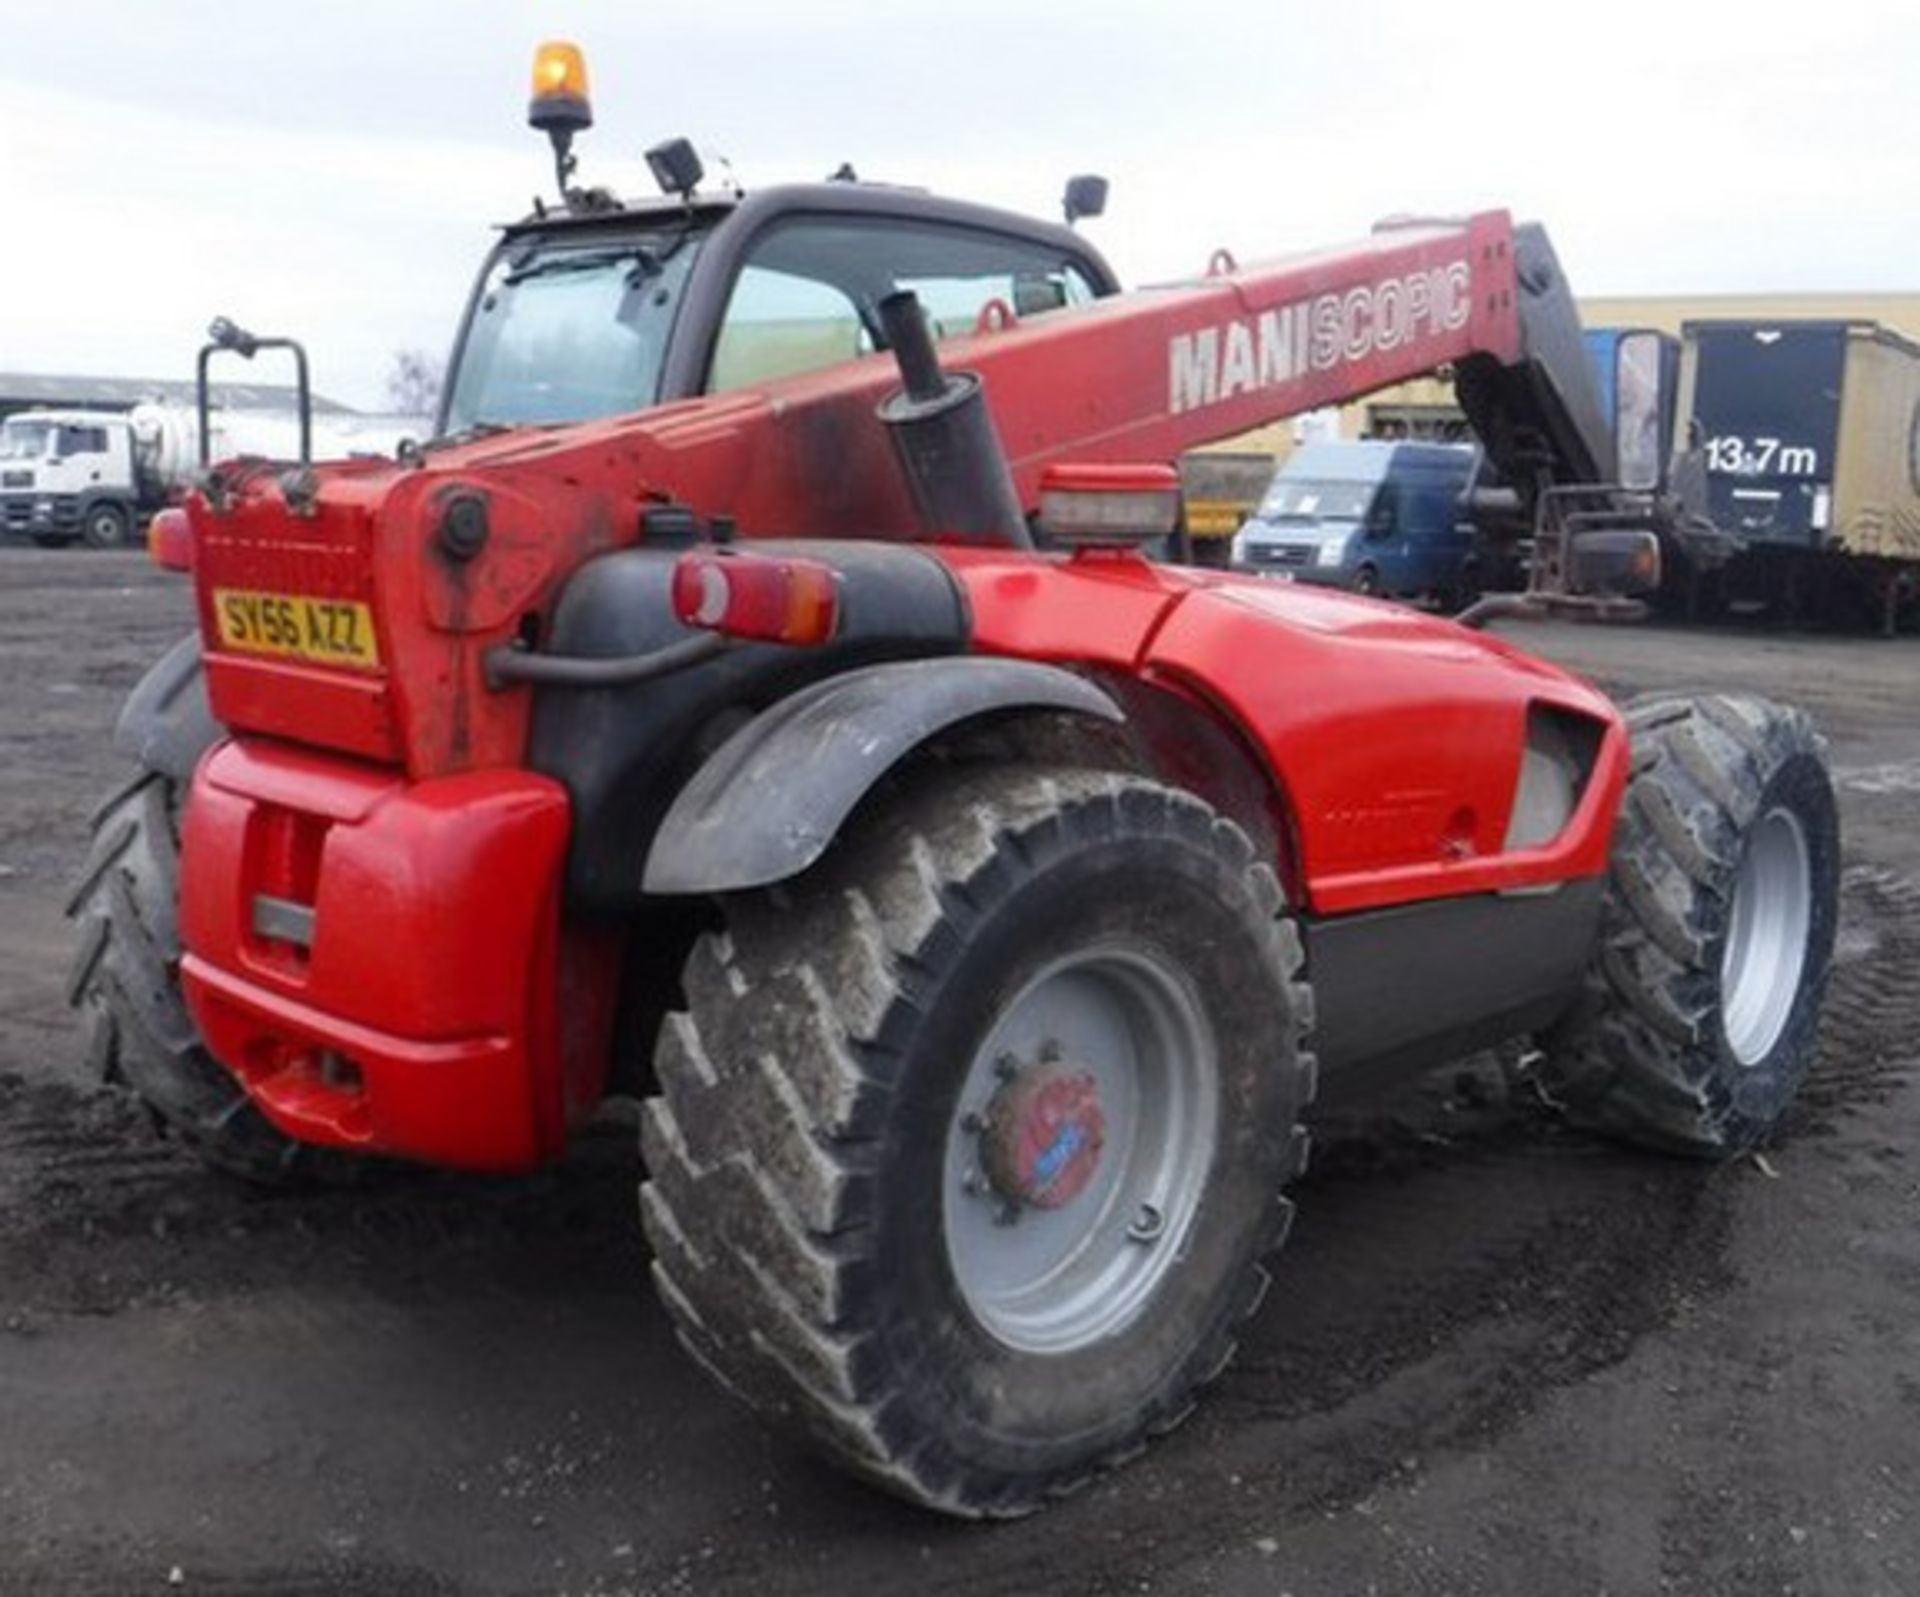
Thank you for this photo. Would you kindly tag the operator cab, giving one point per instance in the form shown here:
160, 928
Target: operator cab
600, 307
582, 315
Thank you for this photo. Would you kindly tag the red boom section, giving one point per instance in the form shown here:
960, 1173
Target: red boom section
1140, 377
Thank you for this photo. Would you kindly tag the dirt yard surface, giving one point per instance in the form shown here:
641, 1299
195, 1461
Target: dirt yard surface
1499, 1357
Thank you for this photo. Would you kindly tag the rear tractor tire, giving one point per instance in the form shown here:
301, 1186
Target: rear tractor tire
125, 984
969, 1143
1702, 1009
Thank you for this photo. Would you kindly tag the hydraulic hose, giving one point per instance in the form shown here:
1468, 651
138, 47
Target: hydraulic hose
508, 665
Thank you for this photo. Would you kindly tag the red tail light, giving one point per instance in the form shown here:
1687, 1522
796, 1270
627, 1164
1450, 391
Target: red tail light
753, 596
170, 540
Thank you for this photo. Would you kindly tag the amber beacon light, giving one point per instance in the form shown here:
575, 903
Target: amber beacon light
559, 106
560, 88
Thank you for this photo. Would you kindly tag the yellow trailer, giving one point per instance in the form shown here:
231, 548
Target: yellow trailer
1219, 490
1876, 468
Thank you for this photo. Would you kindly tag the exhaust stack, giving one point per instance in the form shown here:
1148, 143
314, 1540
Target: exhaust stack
943, 435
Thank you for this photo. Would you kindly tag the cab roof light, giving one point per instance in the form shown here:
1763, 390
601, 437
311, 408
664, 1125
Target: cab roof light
752, 596
1109, 506
676, 167
560, 88
559, 106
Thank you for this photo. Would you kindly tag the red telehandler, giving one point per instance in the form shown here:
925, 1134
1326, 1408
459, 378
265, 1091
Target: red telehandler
757, 701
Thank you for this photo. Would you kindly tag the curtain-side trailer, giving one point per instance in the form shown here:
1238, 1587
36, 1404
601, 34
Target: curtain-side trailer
1811, 433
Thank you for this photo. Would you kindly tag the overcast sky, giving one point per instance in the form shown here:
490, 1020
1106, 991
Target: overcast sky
330, 170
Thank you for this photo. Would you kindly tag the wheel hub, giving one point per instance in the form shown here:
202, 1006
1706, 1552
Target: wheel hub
1042, 1134
1769, 926
1079, 1149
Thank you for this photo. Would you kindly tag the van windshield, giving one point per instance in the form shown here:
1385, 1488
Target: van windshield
1311, 499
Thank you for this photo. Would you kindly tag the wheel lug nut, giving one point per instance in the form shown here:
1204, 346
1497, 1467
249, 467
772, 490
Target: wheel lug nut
1148, 1225
1006, 1067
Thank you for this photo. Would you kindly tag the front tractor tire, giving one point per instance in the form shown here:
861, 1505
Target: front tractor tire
125, 984
1701, 1014
970, 1143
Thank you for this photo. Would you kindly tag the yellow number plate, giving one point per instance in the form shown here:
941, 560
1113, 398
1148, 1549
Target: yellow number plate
324, 631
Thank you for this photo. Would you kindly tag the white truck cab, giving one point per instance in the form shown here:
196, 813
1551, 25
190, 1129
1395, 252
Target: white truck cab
68, 476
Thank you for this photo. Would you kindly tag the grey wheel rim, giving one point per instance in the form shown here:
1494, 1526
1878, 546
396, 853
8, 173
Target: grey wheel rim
104, 527
1767, 936
1122, 1029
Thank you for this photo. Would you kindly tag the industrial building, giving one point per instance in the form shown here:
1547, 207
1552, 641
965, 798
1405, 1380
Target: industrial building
43, 391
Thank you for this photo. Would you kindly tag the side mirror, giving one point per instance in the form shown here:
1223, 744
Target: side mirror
1622, 565
1642, 408
1036, 293
1086, 196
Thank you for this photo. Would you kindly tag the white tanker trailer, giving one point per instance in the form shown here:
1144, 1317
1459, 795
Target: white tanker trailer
69, 476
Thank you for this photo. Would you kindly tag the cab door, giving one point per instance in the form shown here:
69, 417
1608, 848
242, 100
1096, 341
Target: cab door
1382, 544
805, 291
1437, 539
80, 459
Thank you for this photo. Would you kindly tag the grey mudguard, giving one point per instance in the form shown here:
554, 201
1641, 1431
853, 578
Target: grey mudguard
165, 724
771, 799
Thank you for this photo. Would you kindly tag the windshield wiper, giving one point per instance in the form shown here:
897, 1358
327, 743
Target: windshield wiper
467, 434
646, 263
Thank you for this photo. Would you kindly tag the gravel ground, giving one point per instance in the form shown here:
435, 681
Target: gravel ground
1499, 1358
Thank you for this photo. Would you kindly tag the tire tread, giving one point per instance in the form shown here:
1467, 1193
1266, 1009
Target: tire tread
802, 1012
1639, 1057
124, 981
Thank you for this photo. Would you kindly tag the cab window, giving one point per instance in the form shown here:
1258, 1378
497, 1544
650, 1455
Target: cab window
808, 294
1383, 515
570, 330
955, 305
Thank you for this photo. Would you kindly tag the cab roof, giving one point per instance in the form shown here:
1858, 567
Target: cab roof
881, 200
